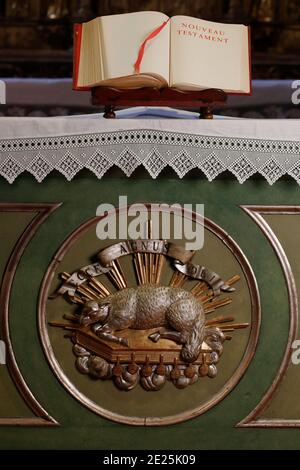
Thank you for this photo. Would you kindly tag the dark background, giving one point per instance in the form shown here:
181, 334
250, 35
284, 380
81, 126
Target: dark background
36, 35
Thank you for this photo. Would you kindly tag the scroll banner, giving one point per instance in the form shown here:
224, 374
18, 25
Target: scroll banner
159, 247
79, 277
180, 256
195, 271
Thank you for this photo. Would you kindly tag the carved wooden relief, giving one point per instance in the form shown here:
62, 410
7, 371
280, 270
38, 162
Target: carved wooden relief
144, 316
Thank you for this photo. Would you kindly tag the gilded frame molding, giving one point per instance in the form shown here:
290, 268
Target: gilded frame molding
42, 417
256, 214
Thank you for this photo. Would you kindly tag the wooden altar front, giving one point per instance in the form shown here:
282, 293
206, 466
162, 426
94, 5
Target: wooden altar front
55, 173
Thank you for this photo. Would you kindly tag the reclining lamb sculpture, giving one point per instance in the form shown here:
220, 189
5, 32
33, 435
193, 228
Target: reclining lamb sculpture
177, 311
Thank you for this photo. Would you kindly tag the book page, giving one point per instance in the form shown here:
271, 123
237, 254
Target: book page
122, 36
206, 54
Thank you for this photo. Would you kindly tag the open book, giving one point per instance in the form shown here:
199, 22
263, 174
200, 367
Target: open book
148, 49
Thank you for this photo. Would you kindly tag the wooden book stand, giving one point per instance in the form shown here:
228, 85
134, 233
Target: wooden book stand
112, 98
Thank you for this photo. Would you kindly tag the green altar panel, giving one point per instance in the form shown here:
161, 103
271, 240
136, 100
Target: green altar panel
221, 427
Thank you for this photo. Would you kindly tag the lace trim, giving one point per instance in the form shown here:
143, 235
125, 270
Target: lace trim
154, 150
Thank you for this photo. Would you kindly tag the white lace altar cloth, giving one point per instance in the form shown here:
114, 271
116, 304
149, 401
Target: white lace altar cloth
149, 138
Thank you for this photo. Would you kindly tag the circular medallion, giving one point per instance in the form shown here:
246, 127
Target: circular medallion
144, 331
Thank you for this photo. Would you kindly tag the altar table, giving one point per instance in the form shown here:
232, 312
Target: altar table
54, 174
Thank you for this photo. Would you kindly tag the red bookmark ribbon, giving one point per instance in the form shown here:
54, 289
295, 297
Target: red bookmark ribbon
152, 35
